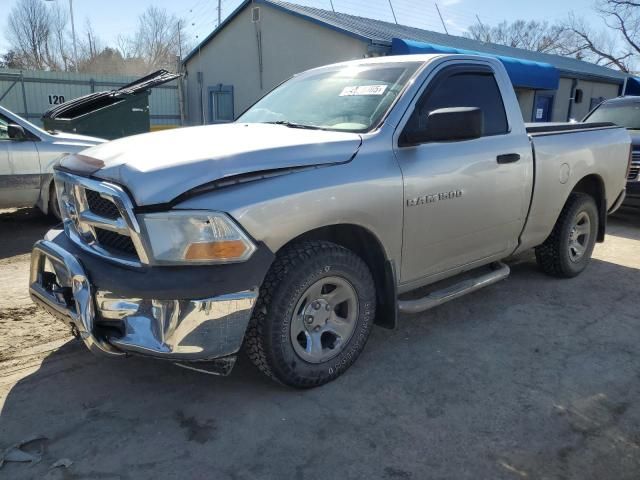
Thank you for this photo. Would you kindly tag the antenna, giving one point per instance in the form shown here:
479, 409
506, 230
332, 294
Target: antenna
442, 20
333, 9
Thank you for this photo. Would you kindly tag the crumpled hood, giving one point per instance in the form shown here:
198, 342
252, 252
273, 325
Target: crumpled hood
157, 167
64, 138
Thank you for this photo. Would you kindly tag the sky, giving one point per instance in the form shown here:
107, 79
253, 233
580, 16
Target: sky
118, 17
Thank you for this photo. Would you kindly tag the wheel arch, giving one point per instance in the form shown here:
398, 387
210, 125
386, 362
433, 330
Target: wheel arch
593, 185
45, 188
368, 247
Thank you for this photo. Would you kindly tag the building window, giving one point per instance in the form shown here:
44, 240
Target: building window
221, 104
543, 107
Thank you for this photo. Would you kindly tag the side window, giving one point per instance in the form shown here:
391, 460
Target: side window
464, 89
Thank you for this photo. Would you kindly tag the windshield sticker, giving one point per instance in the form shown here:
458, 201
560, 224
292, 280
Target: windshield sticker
363, 90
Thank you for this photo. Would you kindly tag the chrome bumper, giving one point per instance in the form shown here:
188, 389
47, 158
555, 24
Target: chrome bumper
181, 330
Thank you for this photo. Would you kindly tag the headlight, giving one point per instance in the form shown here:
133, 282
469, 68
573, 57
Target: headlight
197, 237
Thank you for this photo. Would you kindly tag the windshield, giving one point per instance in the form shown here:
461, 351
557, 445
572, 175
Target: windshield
623, 114
347, 98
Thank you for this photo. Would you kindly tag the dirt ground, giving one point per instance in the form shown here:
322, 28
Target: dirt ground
532, 378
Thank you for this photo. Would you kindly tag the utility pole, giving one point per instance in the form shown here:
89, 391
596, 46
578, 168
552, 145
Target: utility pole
442, 20
482, 26
179, 69
73, 33
393, 13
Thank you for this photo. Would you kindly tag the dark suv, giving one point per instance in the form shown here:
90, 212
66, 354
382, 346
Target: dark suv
624, 111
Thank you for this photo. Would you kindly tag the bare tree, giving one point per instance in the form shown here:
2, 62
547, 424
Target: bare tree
11, 59
58, 43
37, 35
28, 31
158, 40
93, 44
529, 35
618, 45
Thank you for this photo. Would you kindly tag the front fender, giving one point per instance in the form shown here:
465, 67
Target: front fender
279, 209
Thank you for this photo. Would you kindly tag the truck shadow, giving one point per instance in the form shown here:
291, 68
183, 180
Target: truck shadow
20, 228
528, 362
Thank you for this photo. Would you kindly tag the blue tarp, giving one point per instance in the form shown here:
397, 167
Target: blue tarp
523, 73
633, 86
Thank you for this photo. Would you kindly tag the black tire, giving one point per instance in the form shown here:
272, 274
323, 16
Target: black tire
269, 343
555, 256
54, 207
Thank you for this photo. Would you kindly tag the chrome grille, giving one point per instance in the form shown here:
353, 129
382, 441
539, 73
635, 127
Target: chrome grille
634, 171
99, 217
115, 242
101, 206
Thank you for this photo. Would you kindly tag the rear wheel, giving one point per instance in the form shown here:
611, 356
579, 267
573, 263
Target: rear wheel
313, 316
567, 251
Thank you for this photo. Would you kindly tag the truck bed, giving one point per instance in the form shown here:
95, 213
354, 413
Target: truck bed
564, 154
557, 127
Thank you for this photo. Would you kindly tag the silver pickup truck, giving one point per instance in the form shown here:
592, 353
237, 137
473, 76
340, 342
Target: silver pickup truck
296, 228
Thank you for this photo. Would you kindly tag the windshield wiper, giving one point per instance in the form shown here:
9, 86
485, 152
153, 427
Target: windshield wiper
286, 123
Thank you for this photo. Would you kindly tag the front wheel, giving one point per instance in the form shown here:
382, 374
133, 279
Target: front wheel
567, 251
313, 316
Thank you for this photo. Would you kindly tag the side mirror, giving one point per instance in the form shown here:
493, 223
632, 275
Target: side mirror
447, 125
16, 132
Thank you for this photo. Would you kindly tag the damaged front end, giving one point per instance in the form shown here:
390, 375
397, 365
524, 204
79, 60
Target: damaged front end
202, 334
104, 278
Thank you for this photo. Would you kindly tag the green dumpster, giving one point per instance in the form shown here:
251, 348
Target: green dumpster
113, 114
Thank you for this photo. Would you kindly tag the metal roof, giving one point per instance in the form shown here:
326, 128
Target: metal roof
381, 33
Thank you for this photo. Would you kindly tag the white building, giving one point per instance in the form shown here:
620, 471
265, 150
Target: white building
264, 42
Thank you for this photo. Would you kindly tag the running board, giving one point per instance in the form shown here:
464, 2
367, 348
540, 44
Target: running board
500, 271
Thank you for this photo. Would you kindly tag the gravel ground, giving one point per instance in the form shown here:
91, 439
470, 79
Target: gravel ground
532, 378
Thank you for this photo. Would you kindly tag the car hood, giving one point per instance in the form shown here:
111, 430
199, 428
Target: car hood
157, 167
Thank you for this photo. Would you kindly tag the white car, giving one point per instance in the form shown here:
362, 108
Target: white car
27, 156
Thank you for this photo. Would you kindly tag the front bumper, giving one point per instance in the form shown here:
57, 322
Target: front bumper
178, 329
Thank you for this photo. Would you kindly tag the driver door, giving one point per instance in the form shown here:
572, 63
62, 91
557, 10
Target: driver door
19, 170
463, 203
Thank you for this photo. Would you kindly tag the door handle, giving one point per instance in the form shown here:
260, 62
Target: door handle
508, 158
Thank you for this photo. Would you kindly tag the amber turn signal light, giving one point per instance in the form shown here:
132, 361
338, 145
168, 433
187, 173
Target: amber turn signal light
215, 250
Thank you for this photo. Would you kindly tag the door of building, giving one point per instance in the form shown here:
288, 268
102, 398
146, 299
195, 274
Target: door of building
543, 107
221, 104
